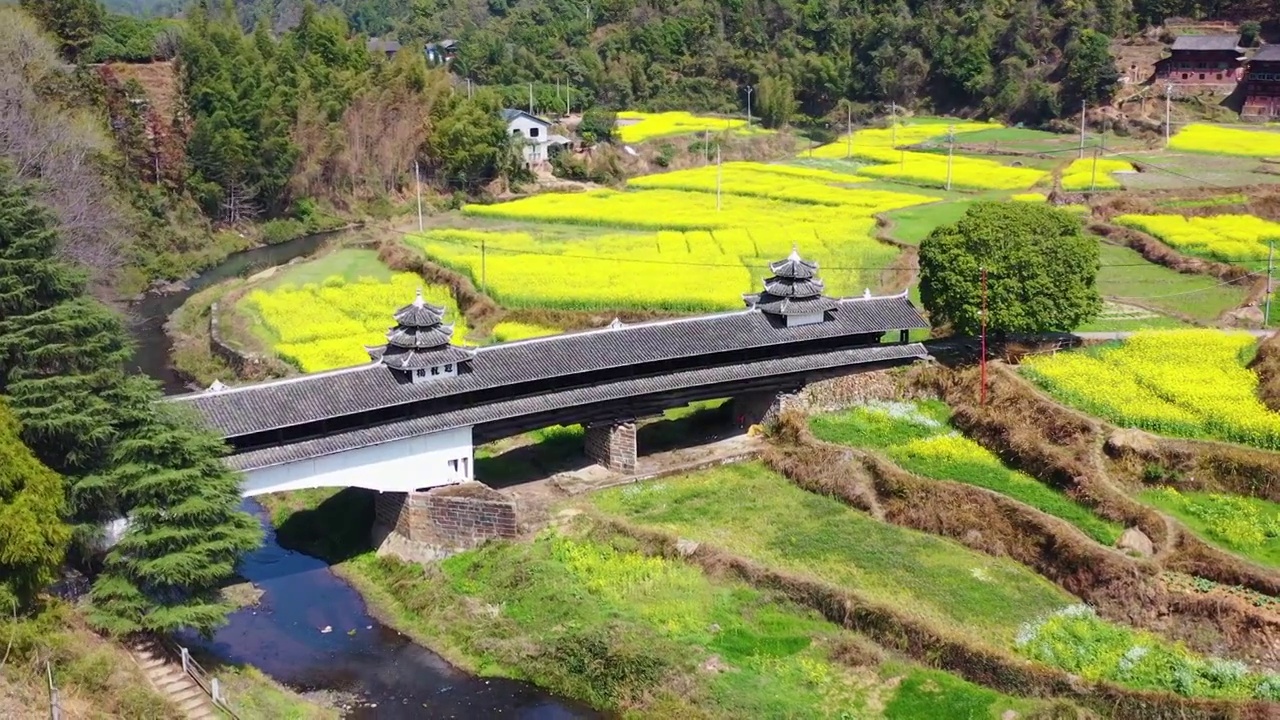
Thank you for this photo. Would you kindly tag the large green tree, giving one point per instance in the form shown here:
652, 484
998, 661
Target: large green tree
1041, 268
1091, 73
470, 145
74, 22
122, 453
34, 540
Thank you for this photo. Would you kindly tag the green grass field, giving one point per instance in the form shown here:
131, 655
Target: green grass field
918, 437
1172, 171
749, 510
587, 617
350, 264
1126, 275
911, 225
1243, 525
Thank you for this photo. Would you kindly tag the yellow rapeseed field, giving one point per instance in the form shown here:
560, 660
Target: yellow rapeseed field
908, 133
325, 326
647, 126
1190, 383
1199, 137
1227, 238
1082, 174
881, 146
686, 210
796, 184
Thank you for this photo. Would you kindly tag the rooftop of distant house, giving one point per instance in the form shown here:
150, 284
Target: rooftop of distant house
386, 45
509, 114
1268, 53
1208, 43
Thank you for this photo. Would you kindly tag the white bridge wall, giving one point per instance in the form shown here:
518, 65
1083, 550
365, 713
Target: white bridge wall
396, 466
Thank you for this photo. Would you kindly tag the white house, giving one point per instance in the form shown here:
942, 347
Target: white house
535, 133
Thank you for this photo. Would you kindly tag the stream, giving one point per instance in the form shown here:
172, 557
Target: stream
310, 630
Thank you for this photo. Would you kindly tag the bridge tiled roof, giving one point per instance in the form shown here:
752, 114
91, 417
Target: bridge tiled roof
505, 409
322, 396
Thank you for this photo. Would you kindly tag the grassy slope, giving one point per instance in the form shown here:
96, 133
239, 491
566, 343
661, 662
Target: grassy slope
351, 264
913, 224
583, 615
751, 511
1125, 274
878, 430
1222, 533
95, 677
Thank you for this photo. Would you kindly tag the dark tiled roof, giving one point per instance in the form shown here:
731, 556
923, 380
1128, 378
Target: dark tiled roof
510, 114
794, 267
501, 410
787, 287
402, 359
1268, 53
379, 45
420, 337
794, 306
308, 398
1207, 42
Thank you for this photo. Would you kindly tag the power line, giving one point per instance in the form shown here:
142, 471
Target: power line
486, 247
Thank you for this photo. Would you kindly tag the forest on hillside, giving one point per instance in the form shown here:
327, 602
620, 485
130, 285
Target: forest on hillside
1025, 60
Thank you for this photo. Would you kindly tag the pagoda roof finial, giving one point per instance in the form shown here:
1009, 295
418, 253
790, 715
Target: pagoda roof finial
418, 301
795, 253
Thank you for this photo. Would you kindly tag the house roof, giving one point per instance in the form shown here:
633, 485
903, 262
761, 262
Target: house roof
445, 44
383, 45
1207, 42
509, 114
322, 396
517, 407
1268, 53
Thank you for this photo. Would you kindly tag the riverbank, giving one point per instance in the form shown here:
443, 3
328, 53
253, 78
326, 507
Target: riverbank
584, 611
97, 677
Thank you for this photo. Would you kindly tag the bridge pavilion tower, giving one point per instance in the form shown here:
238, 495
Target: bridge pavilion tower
418, 348
793, 293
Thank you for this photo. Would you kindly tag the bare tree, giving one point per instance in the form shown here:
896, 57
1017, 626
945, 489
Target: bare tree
60, 149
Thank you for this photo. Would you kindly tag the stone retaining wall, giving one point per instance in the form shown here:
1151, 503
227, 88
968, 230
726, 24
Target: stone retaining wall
426, 526
242, 362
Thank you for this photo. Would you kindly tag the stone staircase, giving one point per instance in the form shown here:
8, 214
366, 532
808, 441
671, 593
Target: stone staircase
169, 679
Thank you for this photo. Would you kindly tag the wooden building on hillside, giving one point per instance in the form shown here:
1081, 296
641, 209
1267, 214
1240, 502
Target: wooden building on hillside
1262, 85
1202, 60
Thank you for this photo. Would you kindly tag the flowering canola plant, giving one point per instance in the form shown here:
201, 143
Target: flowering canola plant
672, 249
1227, 238
326, 326
1199, 137
1188, 383
637, 127
805, 185
1082, 174
511, 331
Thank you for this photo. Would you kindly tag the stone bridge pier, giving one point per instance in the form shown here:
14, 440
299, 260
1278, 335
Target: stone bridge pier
422, 526
612, 444
762, 407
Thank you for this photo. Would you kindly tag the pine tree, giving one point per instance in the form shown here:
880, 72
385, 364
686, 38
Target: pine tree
184, 534
122, 451
34, 539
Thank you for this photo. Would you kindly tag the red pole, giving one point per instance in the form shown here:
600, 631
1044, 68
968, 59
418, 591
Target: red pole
982, 362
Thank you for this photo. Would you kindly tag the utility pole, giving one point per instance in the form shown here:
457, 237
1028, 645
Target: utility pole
1271, 253
417, 179
717, 177
749, 89
568, 107
484, 284
982, 361
530, 98
1168, 91
468, 88
706, 147
893, 119
1093, 179
1084, 105
848, 126
951, 151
